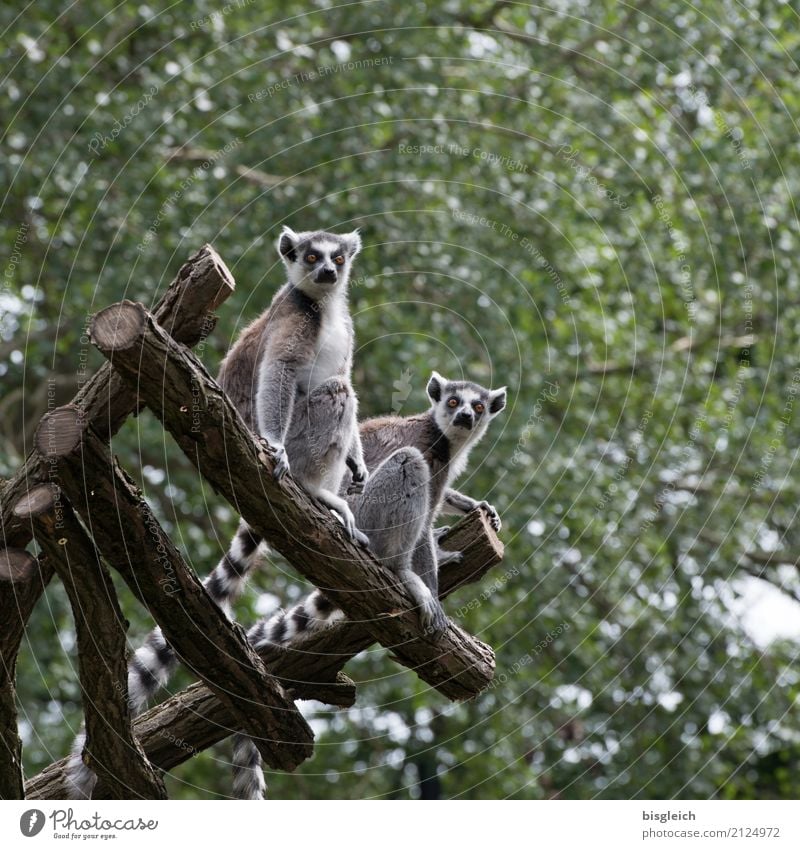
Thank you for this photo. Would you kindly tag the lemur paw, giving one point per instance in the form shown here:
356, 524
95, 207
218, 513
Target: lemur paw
443, 557
360, 478
360, 537
492, 515
349, 522
281, 461
438, 533
432, 616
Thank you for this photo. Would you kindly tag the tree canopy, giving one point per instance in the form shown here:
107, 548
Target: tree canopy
592, 204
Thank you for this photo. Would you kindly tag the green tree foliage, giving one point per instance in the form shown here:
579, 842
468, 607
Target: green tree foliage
592, 203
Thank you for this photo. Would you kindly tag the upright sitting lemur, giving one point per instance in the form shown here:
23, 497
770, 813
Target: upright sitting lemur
412, 463
289, 377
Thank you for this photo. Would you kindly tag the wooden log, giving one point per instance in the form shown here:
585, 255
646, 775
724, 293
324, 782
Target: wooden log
132, 542
16, 564
112, 752
202, 284
193, 408
19, 600
186, 311
194, 719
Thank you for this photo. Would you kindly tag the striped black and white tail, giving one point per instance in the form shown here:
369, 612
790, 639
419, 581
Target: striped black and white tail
154, 662
313, 613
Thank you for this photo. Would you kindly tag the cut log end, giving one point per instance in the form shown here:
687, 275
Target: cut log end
16, 564
118, 327
227, 284
37, 501
60, 432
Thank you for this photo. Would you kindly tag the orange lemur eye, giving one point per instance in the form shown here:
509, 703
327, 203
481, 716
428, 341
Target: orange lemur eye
311, 257
452, 402
479, 408
339, 260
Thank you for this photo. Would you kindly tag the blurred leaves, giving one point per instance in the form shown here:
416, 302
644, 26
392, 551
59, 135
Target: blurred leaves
590, 203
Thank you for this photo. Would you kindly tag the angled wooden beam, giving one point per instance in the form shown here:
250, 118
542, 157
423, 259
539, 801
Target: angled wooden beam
112, 752
17, 564
192, 720
195, 410
20, 598
185, 311
202, 284
133, 543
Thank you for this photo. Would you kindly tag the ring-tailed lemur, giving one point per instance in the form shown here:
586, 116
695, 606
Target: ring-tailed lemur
412, 463
288, 375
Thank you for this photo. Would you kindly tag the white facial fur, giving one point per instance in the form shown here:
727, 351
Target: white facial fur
467, 396
294, 248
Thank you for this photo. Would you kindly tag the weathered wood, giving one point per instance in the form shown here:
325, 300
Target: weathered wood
132, 542
186, 311
18, 602
36, 502
194, 719
16, 564
193, 408
112, 752
202, 284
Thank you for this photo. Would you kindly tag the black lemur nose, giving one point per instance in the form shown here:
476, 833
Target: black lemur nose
326, 275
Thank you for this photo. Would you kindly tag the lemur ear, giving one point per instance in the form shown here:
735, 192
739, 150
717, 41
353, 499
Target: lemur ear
287, 244
435, 386
352, 243
497, 400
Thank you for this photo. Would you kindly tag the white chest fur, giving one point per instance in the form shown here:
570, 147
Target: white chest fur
333, 347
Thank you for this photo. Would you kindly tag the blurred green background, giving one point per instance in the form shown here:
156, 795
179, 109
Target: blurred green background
592, 203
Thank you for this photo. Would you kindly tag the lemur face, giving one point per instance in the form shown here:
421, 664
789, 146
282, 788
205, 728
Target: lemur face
462, 409
318, 262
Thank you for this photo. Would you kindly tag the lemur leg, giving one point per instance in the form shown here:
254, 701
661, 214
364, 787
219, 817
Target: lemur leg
394, 511
394, 505
337, 503
319, 442
457, 504
425, 566
355, 462
442, 555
